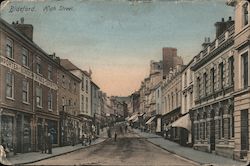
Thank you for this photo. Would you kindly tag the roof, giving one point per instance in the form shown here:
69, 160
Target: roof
70, 66
26, 39
95, 84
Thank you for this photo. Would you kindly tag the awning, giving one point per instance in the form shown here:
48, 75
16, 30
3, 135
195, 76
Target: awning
133, 117
135, 120
150, 120
183, 122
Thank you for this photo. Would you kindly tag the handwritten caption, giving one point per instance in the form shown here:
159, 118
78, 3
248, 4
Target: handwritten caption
48, 8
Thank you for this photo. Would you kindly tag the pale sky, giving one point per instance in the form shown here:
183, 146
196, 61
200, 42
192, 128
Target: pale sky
116, 39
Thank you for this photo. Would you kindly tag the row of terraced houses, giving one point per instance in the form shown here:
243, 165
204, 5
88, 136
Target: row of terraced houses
41, 93
204, 104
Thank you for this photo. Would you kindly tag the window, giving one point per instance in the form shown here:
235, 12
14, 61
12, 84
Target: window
245, 14
191, 76
191, 99
198, 87
10, 85
244, 59
231, 124
49, 72
87, 86
185, 103
63, 104
221, 75
87, 106
185, 79
221, 125
39, 96
176, 98
75, 87
25, 94
50, 97
9, 49
82, 82
82, 103
231, 70
205, 83
63, 81
212, 79
38, 66
70, 88
25, 59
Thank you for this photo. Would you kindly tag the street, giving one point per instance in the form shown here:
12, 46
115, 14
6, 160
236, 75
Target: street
129, 149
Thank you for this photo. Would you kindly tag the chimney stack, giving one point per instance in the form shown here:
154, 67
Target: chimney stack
25, 29
222, 26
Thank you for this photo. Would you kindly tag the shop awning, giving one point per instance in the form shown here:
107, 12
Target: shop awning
150, 120
183, 122
135, 120
133, 117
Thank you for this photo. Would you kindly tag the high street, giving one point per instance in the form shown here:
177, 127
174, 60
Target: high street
129, 149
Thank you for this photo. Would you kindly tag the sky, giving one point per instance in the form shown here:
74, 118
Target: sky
116, 39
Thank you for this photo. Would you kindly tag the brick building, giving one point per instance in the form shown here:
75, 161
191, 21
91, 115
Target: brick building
28, 89
69, 107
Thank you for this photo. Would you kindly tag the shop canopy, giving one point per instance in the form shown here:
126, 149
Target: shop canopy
150, 120
133, 117
135, 120
183, 122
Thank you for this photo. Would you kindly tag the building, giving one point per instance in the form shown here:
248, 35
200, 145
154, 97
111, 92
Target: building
187, 98
170, 60
69, 107
239, 109
84, 95
96, 107
28, 91
212, 114
172, 95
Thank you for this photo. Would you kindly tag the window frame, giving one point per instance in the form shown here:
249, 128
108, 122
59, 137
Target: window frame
50, 100
25, 91
39, 96
10, 84
9, 47
25, 53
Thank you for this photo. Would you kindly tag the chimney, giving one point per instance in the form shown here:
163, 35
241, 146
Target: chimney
230, 22
206, 42
220, 27
25, 29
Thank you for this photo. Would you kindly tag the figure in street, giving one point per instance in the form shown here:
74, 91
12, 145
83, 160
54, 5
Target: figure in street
90, 139
49, 143
115, 136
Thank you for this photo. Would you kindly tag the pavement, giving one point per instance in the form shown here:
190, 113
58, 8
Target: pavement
26, 158
203, 158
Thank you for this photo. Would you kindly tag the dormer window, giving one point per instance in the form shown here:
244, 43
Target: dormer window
245, 14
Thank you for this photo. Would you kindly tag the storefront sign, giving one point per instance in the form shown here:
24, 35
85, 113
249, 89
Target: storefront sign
26, 72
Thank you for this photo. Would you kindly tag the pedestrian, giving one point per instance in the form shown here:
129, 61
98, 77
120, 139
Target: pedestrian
115, 136
49, 140
126, 128
83, 139
90, 139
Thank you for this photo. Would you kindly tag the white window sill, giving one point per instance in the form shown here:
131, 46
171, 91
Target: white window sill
25, 102
38, 106
10, 98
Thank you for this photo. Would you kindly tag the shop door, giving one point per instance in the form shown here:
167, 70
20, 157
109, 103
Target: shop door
244, 130
19, 133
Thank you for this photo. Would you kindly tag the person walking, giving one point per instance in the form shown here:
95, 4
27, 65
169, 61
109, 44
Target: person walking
90, 139
115, 136
83, 139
